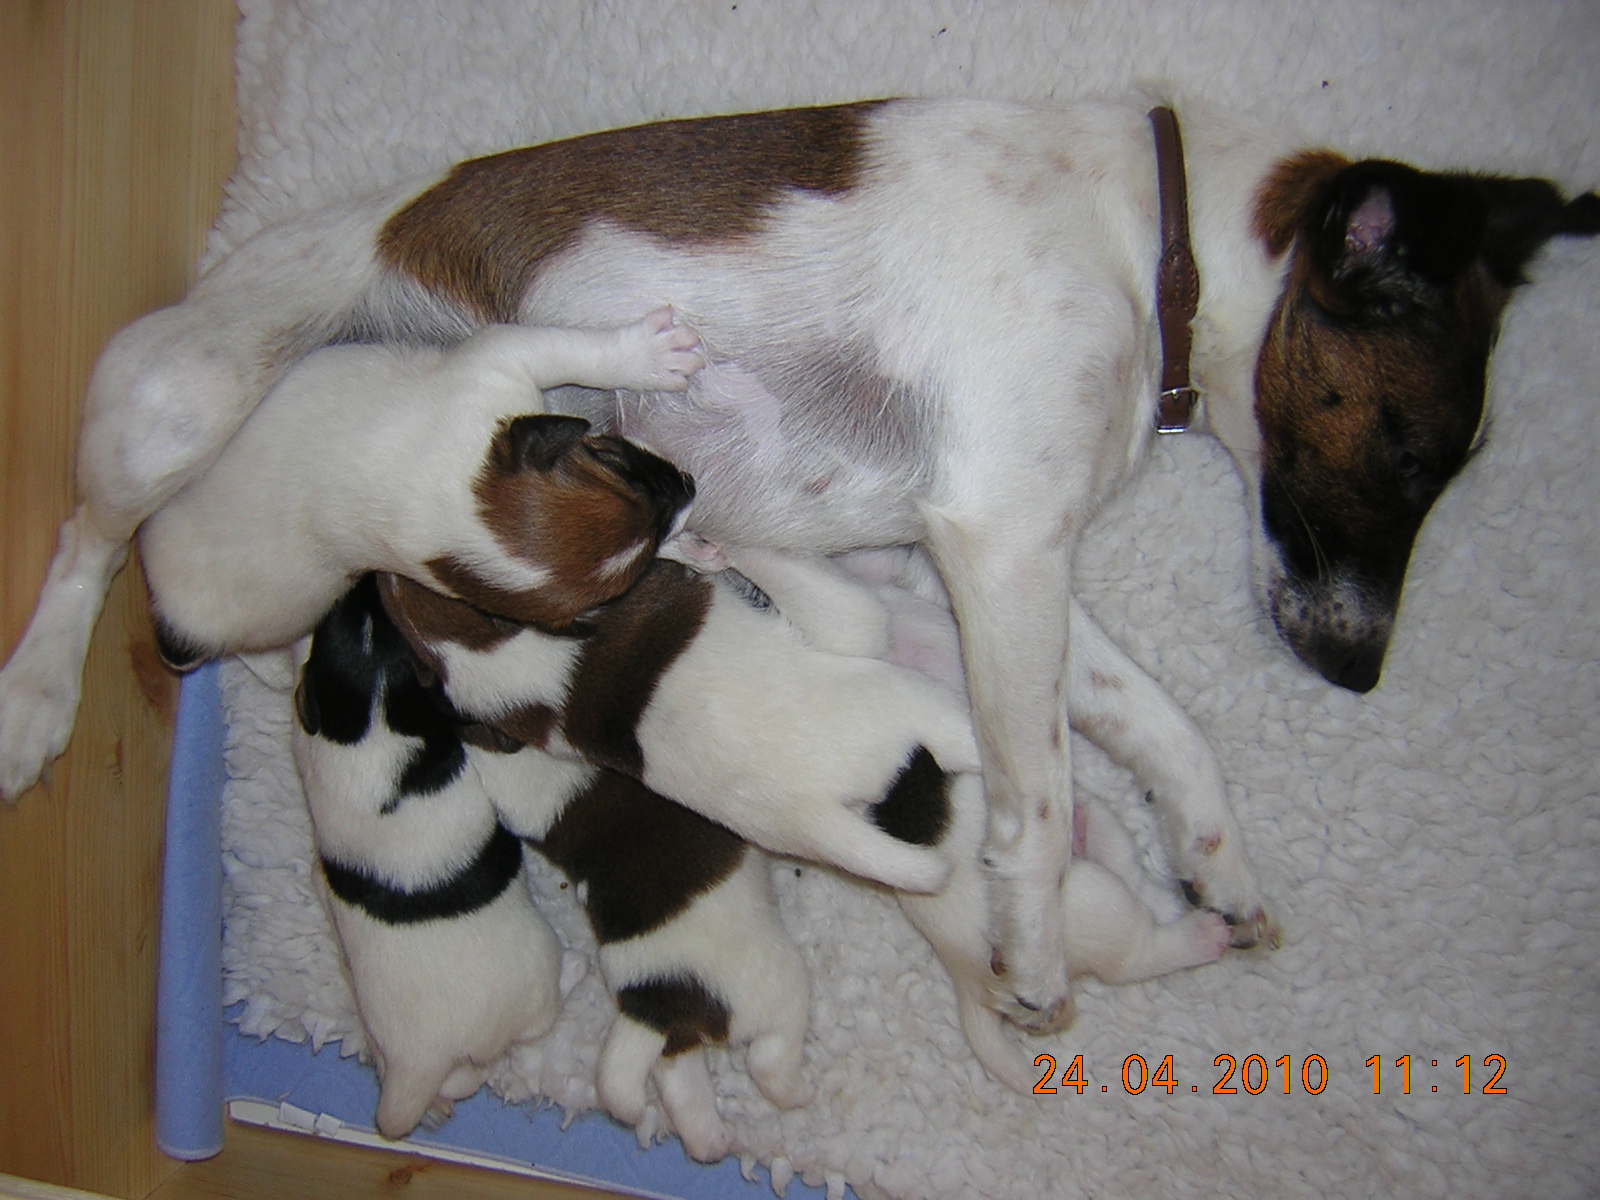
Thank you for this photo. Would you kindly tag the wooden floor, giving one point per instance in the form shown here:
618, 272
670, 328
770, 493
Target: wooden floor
262, 1164
117, 131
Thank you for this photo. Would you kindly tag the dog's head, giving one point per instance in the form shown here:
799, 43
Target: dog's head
581, 515
1370, 382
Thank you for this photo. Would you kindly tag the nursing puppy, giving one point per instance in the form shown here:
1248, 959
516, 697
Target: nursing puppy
926, 321
690, 942
687, 685
437, 464
890, 603
450, 962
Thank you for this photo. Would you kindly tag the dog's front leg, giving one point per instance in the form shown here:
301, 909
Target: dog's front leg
1128, 715
1011, 598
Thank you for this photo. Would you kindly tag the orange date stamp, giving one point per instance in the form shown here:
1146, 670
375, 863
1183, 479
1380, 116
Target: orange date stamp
1254, 1074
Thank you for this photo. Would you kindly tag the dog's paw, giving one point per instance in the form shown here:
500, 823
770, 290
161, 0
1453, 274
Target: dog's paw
1223, 884
37, 710
661, 353
1008, 1000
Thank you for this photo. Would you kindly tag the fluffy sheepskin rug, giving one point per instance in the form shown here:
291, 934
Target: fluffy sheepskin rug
1433, 849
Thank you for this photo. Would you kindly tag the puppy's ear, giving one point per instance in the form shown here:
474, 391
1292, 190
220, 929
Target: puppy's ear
537, 442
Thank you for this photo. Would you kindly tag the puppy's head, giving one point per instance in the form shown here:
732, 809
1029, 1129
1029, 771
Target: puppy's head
581, 515
1370, 383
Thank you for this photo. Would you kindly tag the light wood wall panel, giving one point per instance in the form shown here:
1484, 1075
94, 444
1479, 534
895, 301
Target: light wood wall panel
116, 132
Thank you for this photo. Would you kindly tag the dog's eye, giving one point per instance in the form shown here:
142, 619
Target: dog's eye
1408, 464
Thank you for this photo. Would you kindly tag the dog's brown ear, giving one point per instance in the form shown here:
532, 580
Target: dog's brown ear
1383, 238
536, 442
1285, 200
1524, 214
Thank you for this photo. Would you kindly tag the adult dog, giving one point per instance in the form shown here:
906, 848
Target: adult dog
925, 320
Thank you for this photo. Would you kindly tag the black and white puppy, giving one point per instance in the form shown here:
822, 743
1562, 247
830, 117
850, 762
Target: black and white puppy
687, 686
450, 962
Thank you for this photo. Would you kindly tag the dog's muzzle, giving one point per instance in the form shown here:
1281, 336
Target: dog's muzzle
1338, 627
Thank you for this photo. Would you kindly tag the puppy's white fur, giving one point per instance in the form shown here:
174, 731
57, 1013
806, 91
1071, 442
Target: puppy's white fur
363, 459
441, 999
892, 599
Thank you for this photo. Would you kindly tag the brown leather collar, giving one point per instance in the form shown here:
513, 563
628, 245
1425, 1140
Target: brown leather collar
1177, 278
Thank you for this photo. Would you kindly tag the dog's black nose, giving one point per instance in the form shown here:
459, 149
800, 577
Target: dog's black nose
1360, 671
1356, 666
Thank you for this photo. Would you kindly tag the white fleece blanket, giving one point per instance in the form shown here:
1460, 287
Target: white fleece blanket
1432, 850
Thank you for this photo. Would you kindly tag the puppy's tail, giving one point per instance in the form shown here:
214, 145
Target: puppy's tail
410, 1091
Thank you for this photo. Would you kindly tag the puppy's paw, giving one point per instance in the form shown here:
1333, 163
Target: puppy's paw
1194, 939
659, 353
37, 710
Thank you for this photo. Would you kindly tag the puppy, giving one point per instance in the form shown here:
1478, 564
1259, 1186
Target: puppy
450, 962
689, 685
890, 602
437, 464
690, 941
931, 321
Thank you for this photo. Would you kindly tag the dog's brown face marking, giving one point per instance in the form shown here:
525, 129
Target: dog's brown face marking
588, 511
1370, 383
479, 236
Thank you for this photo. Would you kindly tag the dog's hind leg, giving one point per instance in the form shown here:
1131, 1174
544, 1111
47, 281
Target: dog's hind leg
165, 396
1127, 714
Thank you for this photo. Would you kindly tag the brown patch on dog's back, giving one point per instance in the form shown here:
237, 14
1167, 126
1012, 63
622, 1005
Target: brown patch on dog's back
633, 643
643, 857
480, 235
682, 1009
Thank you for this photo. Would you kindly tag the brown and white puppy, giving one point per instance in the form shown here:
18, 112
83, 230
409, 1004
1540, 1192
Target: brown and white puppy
437, 464
450, 962
925, 321
690, 942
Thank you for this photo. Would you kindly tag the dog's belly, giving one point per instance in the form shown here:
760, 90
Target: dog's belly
797, 433
770, 473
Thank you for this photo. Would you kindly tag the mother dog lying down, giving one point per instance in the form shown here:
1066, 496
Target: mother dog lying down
925, 321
